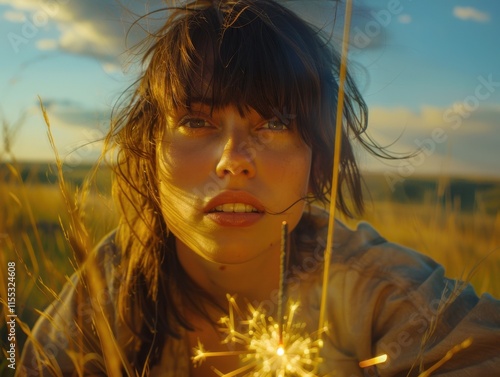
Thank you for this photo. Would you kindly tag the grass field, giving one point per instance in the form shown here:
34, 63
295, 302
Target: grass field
455, 221
34, 219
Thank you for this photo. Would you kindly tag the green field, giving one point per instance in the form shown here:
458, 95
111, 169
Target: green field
454, 220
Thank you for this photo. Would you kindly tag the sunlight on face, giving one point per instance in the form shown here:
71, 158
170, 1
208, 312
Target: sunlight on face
221, 172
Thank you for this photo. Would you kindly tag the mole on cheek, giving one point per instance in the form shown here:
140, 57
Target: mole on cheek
222, 268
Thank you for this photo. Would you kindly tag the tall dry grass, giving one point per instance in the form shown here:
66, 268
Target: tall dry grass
48, 230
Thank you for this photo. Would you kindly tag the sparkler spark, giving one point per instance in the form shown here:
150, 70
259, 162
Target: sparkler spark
373, 361
265, 351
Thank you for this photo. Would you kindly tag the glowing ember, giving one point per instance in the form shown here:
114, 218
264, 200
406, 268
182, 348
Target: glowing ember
266, 352
373, 361
280, 351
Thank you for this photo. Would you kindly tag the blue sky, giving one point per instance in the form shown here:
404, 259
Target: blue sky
429, 71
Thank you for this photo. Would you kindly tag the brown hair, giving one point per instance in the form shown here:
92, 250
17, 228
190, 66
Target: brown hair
249, 53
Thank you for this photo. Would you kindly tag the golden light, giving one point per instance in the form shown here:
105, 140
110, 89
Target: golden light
280, 351
373, 361
266, 352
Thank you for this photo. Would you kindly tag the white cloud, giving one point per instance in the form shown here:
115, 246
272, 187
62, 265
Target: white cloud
72, 114
401, 118
78, 132
111, 68
46, 44
95, 28
467, 146
14, 16
404, 19
469, 13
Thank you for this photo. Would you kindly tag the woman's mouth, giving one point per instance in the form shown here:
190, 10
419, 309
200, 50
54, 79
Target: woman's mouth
235, 208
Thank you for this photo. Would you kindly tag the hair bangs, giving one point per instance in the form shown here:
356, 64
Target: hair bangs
231, 66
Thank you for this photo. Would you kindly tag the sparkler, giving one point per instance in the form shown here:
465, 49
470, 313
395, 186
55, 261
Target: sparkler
267, 350
277, 348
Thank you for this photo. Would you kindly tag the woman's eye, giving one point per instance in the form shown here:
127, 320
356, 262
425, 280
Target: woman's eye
275, 125
194, 123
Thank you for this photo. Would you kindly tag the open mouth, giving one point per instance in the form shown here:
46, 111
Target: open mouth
235, 208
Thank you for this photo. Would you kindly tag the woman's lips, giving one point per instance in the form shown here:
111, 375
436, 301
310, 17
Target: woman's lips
234, 208
238, 219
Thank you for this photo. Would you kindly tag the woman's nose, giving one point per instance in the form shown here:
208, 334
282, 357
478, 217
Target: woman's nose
238, 157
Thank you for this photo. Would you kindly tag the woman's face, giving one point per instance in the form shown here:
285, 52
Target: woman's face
220, 171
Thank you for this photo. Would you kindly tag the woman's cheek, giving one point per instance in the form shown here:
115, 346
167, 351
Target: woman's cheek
185, 164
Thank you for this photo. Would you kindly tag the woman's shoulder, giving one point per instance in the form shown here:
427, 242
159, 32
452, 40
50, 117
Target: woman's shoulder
107, 249
107, 254
364, 250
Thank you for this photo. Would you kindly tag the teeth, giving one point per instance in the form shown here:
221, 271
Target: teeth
236, 207
249, 208
228, 207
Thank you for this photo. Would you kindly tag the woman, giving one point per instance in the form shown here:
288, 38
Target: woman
230, 132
